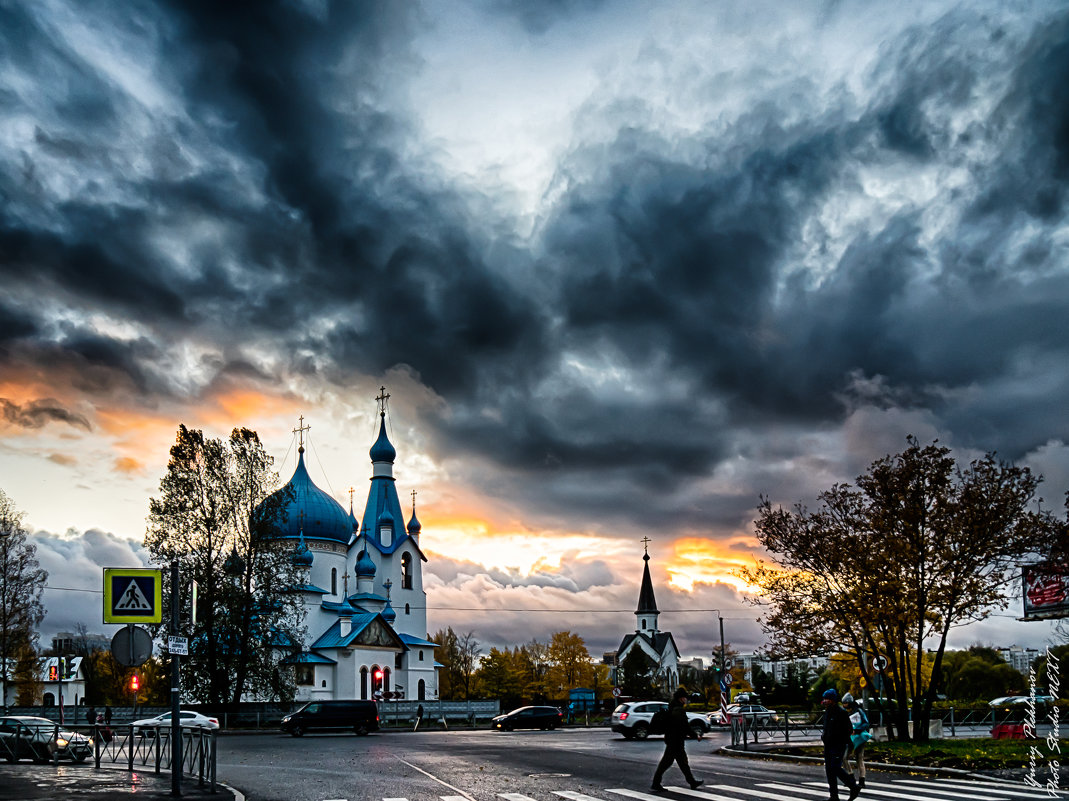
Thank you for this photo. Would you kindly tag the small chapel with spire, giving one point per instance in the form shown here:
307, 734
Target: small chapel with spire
361, 587
657, 646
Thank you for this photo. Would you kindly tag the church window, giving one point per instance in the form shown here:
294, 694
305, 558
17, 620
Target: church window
305, 675
386, 535
408, 609
385, 680
324, 682
363, 682
421, 656
643, 625
334, 581
422, 690
406, 571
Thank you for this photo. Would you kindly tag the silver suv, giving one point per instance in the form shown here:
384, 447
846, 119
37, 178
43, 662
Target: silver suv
632, 719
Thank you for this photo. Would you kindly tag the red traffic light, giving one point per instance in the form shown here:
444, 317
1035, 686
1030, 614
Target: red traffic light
378, 675
135, 683
53, 673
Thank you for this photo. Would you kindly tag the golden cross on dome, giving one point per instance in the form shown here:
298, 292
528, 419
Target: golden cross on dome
646, 544
382, 397
301, 428
351, 491
413, 501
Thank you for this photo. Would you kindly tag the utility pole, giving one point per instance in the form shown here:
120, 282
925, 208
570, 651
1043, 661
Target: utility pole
176, 692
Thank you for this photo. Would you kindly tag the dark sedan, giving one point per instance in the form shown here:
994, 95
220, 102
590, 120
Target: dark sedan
529, 717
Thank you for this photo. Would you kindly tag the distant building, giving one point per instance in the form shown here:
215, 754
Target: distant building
69, 643
54, 679
658, 646
777, 668
1020, 659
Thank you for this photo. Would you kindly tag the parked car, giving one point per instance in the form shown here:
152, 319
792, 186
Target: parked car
26, 737
754, 712
362, 717
1007, 701
632, 719
529, 717
187, 719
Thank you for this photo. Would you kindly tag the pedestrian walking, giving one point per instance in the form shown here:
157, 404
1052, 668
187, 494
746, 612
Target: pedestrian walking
91, 715
836, 737
107, 715
677, 730
859, 736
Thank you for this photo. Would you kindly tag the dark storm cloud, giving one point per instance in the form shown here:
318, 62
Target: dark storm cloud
280, 194
538, 16
39, 413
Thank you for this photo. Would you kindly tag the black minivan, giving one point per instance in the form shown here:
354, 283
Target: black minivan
360, 716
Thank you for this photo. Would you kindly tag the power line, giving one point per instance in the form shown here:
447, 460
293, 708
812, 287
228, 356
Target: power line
73, 589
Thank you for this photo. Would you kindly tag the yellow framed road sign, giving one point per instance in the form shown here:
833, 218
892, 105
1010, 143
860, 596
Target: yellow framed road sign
133, 595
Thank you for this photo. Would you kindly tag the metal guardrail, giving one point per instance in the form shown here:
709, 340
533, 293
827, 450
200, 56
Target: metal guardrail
142, 747
750, 728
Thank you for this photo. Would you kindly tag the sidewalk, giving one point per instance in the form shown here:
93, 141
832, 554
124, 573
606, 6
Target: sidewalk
30, 782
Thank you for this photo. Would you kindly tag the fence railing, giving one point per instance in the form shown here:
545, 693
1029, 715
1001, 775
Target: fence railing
152, 746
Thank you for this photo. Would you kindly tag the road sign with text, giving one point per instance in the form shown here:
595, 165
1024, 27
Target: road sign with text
133, 595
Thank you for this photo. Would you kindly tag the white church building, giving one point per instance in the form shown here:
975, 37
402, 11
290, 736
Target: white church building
362, 588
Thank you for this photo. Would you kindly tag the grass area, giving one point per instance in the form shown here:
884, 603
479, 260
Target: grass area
973, 754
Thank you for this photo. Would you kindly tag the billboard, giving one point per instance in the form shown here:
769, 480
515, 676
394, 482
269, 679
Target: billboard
1045, 591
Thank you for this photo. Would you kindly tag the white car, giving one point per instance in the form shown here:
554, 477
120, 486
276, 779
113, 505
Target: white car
751, 712
188, 720
23, 736
632, 719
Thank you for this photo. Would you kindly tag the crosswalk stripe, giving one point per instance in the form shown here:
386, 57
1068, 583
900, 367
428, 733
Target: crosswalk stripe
794, 788
1002, 789
748, 791
955, 792
635, 794
453, 798
574, 796
912, 795
514, 797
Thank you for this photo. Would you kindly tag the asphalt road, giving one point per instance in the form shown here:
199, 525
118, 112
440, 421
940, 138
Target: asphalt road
573, 764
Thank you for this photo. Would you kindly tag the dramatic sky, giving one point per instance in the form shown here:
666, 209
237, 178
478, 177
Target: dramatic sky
624, 267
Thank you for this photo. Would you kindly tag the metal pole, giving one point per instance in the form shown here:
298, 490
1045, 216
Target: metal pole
176, 693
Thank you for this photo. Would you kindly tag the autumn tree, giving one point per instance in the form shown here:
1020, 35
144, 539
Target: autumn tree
569, 662
502, 675
459, 657
217, 516
21, 583
893, 563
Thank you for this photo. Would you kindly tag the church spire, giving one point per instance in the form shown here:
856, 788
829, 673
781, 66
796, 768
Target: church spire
647, 604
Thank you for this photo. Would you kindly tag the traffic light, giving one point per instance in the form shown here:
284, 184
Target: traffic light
135, 683
378, 675
53, 673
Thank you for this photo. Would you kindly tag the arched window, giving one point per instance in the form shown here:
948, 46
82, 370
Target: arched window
334, 581
421, 691
420, 654
406, 571
48, 700
386, 534
643, 624
363, 682
385, 680
408, 609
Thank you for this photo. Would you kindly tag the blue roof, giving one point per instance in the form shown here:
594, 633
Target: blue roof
323, 517
307, 588
408, 639
307, 658
332, 637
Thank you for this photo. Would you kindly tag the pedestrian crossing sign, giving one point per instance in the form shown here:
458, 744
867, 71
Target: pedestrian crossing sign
133, 595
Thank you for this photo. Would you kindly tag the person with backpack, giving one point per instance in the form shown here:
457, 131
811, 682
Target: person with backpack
676, 731
861, 734
836, 737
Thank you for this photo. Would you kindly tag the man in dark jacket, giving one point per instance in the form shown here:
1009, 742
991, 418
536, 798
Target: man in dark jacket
675, 742
836, 738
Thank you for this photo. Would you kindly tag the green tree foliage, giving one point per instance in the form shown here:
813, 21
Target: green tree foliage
21, 583
637, 674
979, 674
503, 675
217, 518
916, 547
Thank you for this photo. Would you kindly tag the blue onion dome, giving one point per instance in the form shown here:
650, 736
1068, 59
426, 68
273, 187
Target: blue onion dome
353, 522
302, 556
345, 608
364, 565
382, 450
312, 512
388, 614
414, 526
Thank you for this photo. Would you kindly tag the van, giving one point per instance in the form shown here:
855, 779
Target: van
360, 716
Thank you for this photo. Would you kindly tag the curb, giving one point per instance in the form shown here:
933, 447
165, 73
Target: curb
887, 766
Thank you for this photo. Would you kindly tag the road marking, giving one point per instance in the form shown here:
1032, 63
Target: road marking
514, 797
452, 798
431, 776
394, 799
1001, 789
749, 791
912, 795
575, 796
635, 794
793, 788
